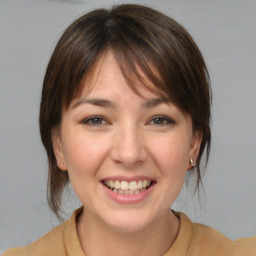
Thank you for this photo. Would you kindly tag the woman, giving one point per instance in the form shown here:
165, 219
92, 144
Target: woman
125, 115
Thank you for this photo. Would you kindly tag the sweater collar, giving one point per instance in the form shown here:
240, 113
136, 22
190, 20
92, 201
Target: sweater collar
182, 243
71, 239
180, 246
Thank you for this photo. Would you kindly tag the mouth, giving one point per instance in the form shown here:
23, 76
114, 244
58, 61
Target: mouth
123, 187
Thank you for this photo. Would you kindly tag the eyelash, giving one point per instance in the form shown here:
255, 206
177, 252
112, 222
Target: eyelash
161, 121
89, 120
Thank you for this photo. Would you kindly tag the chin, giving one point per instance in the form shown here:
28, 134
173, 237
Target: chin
128, 222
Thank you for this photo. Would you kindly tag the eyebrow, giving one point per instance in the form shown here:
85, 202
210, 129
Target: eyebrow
96, 102
154, 102
109, 104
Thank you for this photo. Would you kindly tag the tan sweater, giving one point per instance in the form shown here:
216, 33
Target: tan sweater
193, 240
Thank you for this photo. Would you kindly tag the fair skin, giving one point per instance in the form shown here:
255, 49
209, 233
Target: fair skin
111, 139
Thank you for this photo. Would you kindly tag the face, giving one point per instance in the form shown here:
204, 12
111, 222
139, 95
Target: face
126, 156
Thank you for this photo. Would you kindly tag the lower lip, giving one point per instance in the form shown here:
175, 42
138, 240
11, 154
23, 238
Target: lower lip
128, 199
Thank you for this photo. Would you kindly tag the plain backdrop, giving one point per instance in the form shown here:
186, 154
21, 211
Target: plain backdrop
225, 31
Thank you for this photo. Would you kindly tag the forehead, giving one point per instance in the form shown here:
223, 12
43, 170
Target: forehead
106, 78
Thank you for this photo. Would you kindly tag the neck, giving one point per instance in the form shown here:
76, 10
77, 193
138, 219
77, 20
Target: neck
98, 239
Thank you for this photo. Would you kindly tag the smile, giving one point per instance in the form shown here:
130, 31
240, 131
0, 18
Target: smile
127, 188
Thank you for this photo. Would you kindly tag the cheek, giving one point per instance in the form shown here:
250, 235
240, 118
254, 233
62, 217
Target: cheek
171, 154
84, 156
170, 158
83, 153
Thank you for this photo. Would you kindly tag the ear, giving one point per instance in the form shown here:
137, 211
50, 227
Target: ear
58, 150
194, 148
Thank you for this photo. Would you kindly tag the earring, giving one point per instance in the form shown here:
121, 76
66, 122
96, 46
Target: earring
191, 162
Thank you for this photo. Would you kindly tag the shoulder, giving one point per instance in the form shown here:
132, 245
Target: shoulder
243, 246
217, 244
62, 240
207, 241
50, 244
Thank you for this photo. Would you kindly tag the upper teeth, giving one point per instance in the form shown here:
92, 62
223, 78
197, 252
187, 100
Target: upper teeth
124, 185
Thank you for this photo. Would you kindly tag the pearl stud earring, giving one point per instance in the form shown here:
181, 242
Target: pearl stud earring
191, 162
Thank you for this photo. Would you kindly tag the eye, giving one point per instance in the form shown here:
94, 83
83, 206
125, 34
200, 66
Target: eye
161, 120
94, 121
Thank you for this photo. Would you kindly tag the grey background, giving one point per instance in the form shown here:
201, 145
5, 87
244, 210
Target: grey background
226, 34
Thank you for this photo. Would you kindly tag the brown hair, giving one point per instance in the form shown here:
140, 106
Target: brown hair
139, 37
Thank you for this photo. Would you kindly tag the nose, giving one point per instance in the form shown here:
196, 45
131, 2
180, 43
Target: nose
129, 148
